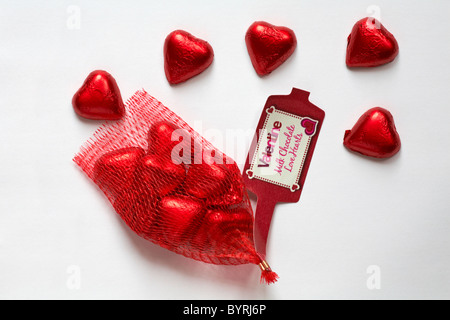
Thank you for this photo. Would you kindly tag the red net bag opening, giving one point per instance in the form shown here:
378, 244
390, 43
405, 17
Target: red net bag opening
172, 187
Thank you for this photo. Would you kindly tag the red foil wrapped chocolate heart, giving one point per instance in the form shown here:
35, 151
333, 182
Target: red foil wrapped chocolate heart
178, 217
167, 140
114, 171
99, 98
161, 174
374, 134
227, 229
269, 46
137, 208
185, 56
215, 183
370, 44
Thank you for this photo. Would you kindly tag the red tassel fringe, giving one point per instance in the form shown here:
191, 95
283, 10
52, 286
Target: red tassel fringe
267, 275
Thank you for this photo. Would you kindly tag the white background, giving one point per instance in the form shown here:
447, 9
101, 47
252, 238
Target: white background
354, 212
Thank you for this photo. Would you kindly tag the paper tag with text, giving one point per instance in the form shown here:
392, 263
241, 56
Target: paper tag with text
282, 148
277, 163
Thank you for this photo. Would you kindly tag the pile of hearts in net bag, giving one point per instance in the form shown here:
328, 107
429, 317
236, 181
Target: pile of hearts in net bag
172, 187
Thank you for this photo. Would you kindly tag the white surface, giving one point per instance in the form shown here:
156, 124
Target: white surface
354, 212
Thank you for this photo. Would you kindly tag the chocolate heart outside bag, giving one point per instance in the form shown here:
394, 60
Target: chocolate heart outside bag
99, 98
374, 134
269, 46
370, 44
185, 56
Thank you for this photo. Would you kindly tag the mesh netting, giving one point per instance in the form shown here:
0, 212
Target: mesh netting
183, 195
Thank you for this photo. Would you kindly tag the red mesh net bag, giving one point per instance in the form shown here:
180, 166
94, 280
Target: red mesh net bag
172, 187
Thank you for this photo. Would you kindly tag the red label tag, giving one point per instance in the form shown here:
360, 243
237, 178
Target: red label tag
276, 166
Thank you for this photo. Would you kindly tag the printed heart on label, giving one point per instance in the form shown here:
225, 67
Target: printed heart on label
185, 56
99, 98
309, 125
370, 44
374, 134
269, 46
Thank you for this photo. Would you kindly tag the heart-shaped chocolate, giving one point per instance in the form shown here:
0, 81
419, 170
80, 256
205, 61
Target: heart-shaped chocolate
185, 56
137, 207
370, 44
169, 141
219, 223
159, 174
374, 134
269, 46
99, 98
177, 217
216, 183
114, 171
222, 230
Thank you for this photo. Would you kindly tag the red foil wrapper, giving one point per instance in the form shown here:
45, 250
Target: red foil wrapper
370, 44
269, 46
99, 98
185, 56
374, 134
